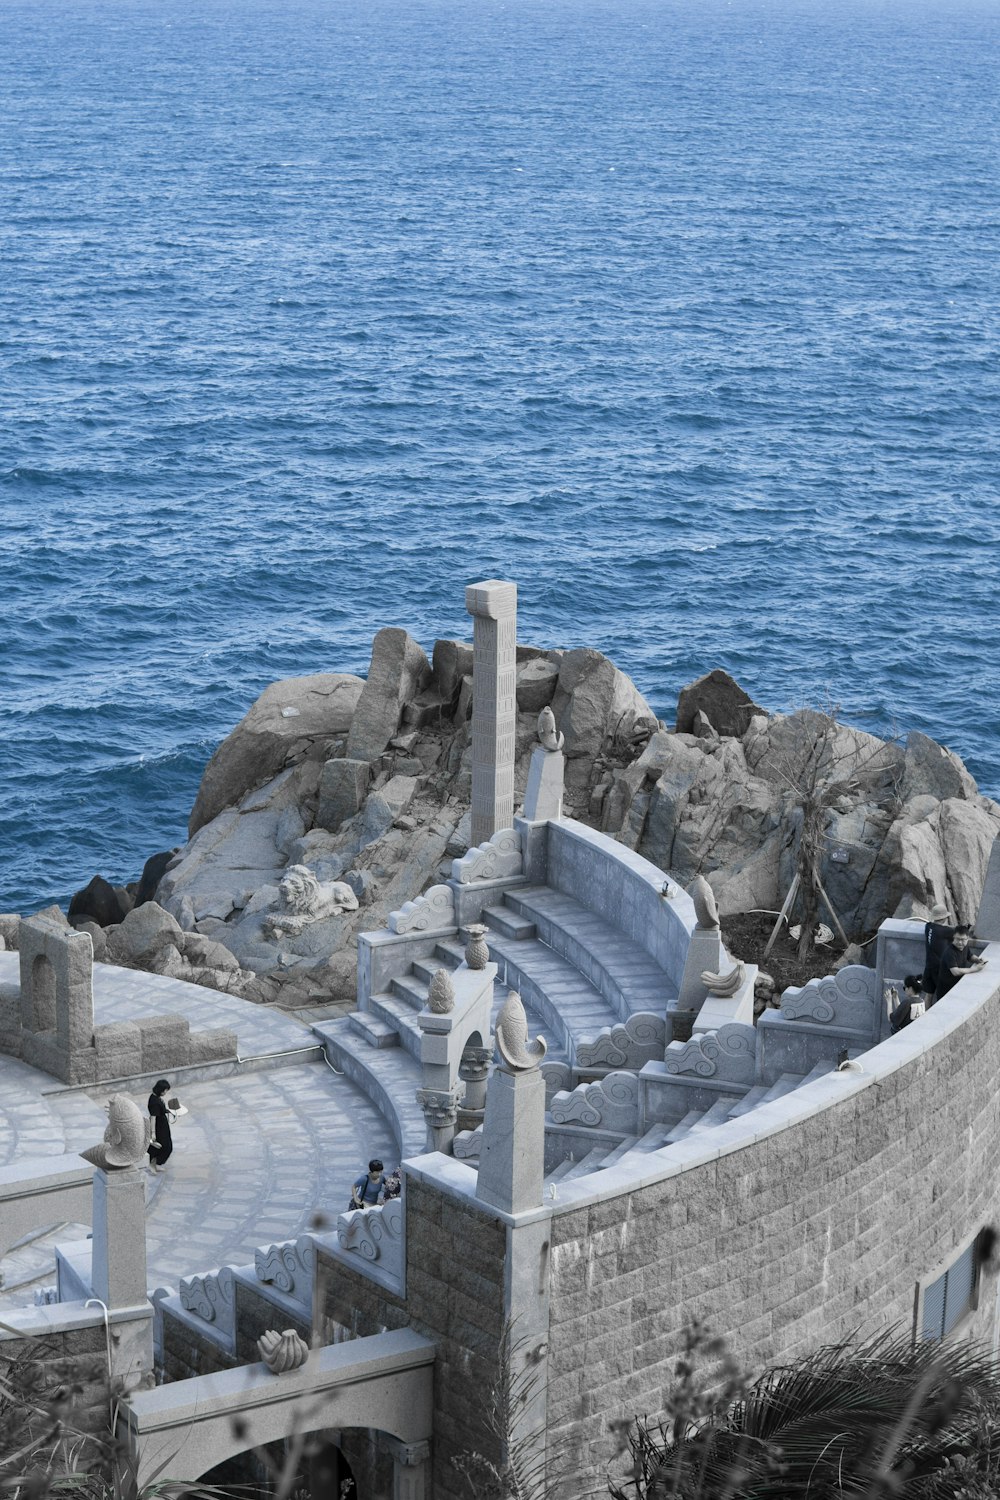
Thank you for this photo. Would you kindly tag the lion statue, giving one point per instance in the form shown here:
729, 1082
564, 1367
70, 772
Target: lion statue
306, 900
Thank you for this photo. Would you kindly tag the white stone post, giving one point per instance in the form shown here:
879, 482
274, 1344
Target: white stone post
512, 1156
118, 1266
988, 919
493, 607
410, 1469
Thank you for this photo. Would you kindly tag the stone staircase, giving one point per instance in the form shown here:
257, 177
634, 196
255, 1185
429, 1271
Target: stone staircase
659, 1138
576, 975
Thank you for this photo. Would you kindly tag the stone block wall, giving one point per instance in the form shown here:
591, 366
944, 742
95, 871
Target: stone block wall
794, 1240
75, 1359
454, 1294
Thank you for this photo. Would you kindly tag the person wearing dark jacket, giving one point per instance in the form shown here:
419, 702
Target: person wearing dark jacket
937, 935
162, 1144
956, 961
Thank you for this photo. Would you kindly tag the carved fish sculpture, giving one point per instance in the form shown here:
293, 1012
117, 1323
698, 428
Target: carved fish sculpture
705, 908
512, 1037
126, 1138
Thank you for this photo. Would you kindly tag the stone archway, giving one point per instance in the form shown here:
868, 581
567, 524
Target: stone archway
180, 1430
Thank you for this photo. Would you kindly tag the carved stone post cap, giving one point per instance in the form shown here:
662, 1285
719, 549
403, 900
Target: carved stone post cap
494, 599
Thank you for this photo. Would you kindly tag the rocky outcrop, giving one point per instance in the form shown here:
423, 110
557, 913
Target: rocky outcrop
904, 827
367, 787
291, 721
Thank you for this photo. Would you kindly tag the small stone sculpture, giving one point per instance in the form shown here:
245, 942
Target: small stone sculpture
282, 1351
724, 986
441, 995
512, 1037
307, 900
705, 909
126, 1138
548, 738
477, 954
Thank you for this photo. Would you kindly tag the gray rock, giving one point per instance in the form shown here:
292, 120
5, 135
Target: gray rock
463, 709
141, 935
98, 937
931, 769
10, 925
594, 701
398, 671
536, 684
721, 699
204, 953
54, 914
451, 661
268, 737
362, 883
342, 788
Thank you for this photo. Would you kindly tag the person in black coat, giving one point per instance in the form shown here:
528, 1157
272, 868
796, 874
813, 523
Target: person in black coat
955, 961
162, 1143
901, 1014
938, 934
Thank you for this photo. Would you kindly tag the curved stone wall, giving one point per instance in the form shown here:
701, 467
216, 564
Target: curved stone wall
622, 888
814, 1216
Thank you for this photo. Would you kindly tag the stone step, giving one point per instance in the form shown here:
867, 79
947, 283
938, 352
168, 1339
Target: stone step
628, 1144
424, 969
451, 952
592, 1162
410, 989
654, 1138
389, 1076
784, 1085
567, 1003
509, 923
562, 1170
398, 1016
683, 1127
624, 973
376, 1032
749, 1101
717, 1114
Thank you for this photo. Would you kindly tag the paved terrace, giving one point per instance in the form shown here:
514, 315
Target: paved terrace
257, 1156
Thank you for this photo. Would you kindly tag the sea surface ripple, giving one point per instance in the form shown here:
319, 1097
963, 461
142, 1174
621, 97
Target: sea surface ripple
682, 313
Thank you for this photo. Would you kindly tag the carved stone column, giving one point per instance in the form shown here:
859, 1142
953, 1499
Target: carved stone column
474, 1070
118, 1268
493, 607
440, 1107
411, 1469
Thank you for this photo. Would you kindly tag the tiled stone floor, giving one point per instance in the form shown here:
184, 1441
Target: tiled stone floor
257, 1157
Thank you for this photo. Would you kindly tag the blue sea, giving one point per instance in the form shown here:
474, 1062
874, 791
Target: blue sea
682, 313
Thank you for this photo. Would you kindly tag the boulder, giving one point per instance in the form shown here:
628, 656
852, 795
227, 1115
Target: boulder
142, 933
536, 684
593, 701
153, 872
451, 661
98, 902
98, 938
203, 953
720, 698
56, 915
931, 769
342, 788
398, 671
291, 721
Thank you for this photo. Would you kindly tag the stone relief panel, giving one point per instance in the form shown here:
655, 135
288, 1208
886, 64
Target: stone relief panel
212, 1297
375, 1234
612, 1103
847, 998
500, 856
728, 1054
290, 1266
431, 912
626, 1044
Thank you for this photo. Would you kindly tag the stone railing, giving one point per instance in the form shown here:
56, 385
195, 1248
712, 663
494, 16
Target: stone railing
375, 1235
626, 1044
611, 1104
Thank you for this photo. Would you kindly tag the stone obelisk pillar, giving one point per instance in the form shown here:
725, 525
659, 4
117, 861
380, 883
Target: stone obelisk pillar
493, 607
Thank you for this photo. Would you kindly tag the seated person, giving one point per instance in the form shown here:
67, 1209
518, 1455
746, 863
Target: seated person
392, 1186
366, 1189
956, 960
901, 1014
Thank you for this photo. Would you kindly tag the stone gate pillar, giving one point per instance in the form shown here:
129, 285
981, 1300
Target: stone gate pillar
493, 607
410, 1470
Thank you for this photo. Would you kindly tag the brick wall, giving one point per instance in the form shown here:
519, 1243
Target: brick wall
791, 1241
455, 1294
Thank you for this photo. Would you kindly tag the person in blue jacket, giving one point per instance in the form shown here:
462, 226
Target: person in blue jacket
365, 1190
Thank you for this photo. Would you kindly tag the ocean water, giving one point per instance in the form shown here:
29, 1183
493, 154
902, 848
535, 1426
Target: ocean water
682, 313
